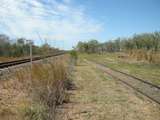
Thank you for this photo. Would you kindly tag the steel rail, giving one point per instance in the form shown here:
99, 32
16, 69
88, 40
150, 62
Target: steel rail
158, 102
26, 60
139, 79
135, 78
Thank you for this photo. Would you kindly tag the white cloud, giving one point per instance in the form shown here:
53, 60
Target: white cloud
51, 19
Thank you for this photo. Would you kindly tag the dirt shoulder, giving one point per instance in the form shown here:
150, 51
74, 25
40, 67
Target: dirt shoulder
100, 97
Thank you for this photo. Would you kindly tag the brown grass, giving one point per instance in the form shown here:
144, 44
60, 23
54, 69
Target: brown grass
143, 55
41, 94
4, 59
100, 97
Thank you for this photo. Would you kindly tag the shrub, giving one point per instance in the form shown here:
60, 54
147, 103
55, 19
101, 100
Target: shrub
74, 56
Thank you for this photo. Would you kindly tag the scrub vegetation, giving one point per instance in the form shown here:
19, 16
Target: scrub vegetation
35, 94
143, 47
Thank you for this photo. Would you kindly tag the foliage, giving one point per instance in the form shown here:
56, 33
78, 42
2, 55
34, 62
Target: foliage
8, 48
145, 41
74, 56
144, 46
89, 47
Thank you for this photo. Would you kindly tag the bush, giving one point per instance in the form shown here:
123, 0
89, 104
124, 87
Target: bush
74, 56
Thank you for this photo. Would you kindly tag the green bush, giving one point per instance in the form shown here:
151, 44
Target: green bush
74, 56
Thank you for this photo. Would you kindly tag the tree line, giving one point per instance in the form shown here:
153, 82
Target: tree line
20, 47
144, 41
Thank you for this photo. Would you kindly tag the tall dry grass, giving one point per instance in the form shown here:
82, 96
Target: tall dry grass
35, 94
143, 55
46, 88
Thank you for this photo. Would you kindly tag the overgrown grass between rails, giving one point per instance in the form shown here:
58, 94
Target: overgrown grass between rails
47, 89
140, 69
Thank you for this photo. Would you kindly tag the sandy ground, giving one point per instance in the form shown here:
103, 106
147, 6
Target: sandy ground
100, 97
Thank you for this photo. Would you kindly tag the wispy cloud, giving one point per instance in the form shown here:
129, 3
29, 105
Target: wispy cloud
52, 19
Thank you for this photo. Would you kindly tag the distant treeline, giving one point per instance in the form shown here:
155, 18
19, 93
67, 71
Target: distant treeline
19, 47
145, 41
144, 46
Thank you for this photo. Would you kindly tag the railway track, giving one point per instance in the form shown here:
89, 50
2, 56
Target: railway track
22, 61
144, 87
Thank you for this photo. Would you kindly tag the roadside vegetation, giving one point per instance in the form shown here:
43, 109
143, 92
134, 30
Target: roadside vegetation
35, 95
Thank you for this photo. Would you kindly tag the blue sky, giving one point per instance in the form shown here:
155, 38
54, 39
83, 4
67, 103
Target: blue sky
65, 22
126, 17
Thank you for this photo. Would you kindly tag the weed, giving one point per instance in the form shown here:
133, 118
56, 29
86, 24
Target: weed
74, 56
35, 112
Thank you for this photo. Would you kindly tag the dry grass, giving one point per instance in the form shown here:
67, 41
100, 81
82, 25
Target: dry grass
36, 98
143, 55
100, 97
142, 69
4, 59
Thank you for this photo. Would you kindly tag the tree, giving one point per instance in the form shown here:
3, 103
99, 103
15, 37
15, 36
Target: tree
92, 46
20, 48
145, 41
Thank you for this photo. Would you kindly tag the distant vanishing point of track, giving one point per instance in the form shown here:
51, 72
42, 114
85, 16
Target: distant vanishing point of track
144, 87
22, 61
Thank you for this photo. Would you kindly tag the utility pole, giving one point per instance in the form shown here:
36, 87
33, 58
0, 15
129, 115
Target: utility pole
31, 57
